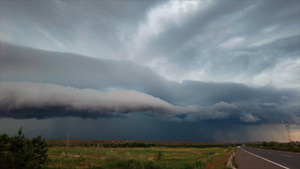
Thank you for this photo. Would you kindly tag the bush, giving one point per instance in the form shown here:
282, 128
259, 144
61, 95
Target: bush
265, 144
159, 156
19, 152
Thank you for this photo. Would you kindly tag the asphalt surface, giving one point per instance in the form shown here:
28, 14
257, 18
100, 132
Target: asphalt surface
272, 159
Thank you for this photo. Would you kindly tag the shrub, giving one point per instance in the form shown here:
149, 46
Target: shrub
20, 152
159, 156
265, 144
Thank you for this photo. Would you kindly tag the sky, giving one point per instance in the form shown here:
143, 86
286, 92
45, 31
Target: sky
200, 71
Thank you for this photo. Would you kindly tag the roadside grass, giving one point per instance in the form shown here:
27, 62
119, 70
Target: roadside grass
137, 158
235, 164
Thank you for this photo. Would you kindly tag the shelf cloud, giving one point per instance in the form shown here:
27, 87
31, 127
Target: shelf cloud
185, 63
39, 79
24, 95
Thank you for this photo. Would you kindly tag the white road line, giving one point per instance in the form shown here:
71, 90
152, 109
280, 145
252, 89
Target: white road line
265, 159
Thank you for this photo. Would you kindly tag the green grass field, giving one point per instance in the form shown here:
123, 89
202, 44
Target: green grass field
131, 158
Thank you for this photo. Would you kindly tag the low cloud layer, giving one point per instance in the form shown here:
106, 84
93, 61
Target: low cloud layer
16, 96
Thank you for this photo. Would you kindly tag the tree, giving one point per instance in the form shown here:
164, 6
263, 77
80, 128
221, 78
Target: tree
20, 152
265, 144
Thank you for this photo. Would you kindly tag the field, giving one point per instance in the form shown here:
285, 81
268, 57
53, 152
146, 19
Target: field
98, 156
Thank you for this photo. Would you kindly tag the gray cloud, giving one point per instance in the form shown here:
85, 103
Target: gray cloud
27, 64
18, 95
24, 95
249, 118
104, 86
219, 41
219, 62
99, 23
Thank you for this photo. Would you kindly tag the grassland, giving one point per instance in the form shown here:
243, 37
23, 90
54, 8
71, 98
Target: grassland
151, 157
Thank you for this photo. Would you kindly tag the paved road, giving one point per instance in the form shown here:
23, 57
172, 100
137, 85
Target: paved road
247, 158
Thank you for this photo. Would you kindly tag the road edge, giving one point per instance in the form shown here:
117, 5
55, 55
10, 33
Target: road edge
230, 161
265, 159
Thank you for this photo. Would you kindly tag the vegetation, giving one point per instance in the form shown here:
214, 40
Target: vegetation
137, 157
277, 146
20, 152
159, 156
235, 164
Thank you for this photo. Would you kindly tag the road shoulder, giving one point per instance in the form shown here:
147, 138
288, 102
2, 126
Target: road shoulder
248, 161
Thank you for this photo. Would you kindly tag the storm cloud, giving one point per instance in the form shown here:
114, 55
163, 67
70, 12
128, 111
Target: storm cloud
22, 95
106, 87
213, 41
17, 95
180, 62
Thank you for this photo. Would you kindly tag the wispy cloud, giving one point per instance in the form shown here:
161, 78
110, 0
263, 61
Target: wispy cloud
219, 41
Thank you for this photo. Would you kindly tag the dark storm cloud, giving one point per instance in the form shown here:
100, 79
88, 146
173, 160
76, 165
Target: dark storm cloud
25, 95
206, 93
86, 86
27, 64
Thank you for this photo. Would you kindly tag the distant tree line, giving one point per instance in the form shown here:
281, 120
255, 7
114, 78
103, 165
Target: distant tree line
277, 146
19, 152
